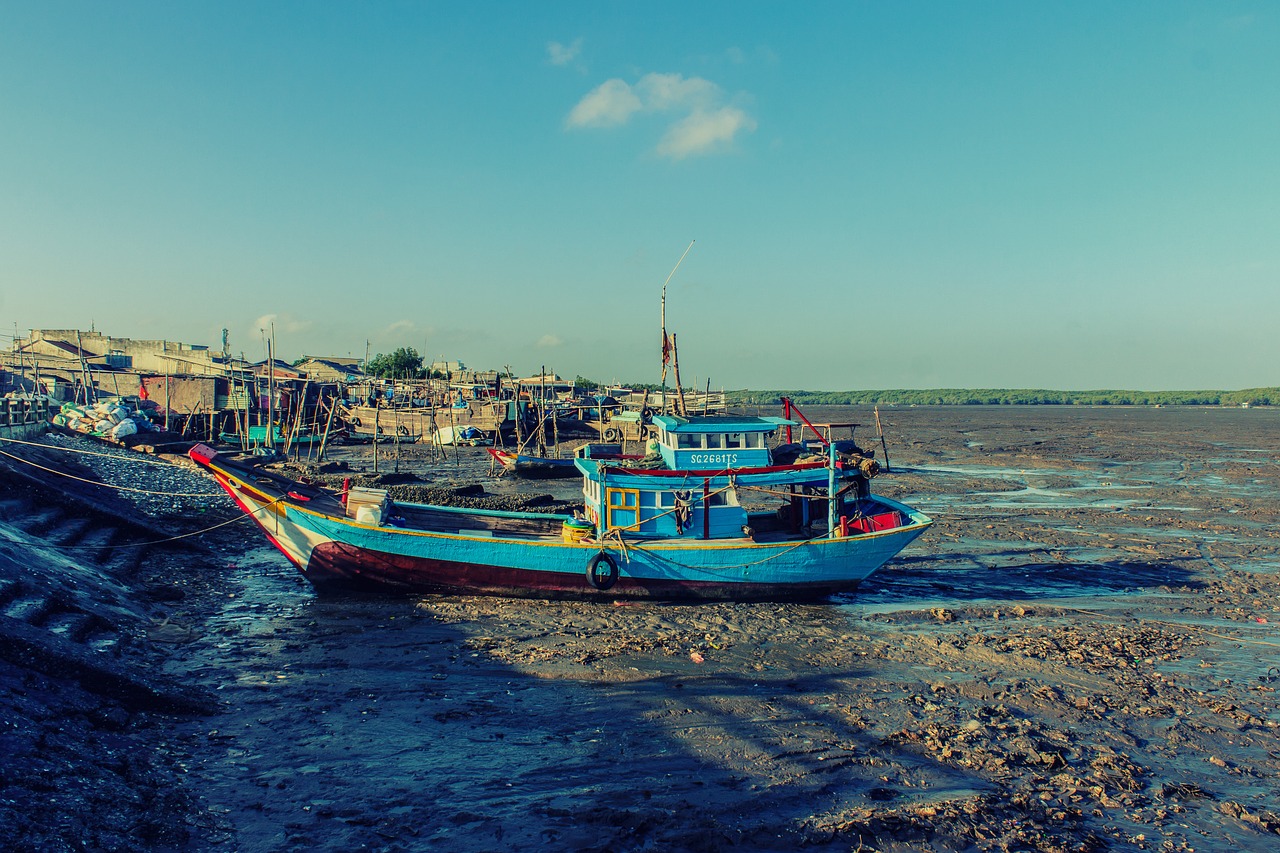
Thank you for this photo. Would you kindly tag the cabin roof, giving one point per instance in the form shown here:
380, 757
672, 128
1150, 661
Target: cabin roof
676, 424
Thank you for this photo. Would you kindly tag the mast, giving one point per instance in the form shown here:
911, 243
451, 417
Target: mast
666, 343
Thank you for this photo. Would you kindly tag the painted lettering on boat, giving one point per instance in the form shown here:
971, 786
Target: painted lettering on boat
713, 458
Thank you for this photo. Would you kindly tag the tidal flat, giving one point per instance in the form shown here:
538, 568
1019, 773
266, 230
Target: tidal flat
1082, 654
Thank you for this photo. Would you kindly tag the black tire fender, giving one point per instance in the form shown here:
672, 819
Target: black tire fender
602, 571
402, 429
355, 422
612, 434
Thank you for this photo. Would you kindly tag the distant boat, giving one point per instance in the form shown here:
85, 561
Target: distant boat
533, 467
545, 467
258, 436
460, 435
675, 530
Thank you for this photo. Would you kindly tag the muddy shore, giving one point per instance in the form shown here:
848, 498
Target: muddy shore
1082, 654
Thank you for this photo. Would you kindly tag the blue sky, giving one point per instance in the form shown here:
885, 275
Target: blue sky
883, 195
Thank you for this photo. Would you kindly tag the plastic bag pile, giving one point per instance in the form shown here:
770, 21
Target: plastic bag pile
105, 420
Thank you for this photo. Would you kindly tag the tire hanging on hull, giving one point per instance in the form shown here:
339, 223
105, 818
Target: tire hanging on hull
602, 571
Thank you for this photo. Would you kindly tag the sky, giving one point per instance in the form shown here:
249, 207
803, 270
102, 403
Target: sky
1062, 195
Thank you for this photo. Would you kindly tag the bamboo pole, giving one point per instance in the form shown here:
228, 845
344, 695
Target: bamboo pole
675, 360
884, 447
324, 440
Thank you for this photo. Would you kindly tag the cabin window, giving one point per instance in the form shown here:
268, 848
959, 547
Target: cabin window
686, 440
715, 441
733, 439
753, 440
624, 508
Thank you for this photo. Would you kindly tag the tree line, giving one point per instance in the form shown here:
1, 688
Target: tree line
405, 363
1012, 397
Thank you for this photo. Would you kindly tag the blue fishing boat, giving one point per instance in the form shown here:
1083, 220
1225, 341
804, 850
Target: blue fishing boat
258, 437
670, 526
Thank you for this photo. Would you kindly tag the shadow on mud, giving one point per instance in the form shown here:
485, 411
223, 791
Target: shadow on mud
366, 719
924, 581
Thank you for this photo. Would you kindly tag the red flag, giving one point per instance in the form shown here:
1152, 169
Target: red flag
666, 348
142, 392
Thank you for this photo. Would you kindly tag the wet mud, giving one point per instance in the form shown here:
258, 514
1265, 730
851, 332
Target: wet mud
1082, 654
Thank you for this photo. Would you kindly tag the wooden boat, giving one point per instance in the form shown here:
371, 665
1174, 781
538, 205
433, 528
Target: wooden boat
484, 415
533, 467
673, 531
545, 467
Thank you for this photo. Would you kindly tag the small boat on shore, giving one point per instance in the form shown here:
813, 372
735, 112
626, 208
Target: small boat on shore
258, 437
533, 467
672, 528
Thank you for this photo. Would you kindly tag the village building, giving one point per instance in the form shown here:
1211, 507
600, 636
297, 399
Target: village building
331, 368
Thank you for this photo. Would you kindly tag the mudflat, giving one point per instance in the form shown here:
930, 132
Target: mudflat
1082, 654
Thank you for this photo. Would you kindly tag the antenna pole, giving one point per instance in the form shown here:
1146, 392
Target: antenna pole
666, 345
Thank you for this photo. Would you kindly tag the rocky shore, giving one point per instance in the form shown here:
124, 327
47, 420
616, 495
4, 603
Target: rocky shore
1082, 655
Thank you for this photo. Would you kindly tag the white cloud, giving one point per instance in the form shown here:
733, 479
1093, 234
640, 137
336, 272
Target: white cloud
547, 341
702, 123
285, 324
559, 54
611, 103
664, 92
704, 132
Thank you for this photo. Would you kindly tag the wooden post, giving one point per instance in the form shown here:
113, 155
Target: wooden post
324, 440
884, 447
675, 360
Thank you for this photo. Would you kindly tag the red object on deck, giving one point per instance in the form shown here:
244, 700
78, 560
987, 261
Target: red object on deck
346, 487
872, 523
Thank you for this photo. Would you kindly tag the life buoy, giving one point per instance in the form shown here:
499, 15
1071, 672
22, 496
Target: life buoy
602, 571
612, 434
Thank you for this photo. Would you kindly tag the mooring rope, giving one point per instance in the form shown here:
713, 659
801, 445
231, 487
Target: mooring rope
108, 485
201, 532
132, 457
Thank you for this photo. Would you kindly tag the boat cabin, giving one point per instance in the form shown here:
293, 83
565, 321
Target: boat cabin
712, 444
685, 488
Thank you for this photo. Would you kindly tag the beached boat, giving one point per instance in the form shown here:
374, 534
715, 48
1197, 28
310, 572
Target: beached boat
669, 527
539, 467
258, 437
460, 436
405, 420
532, 466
